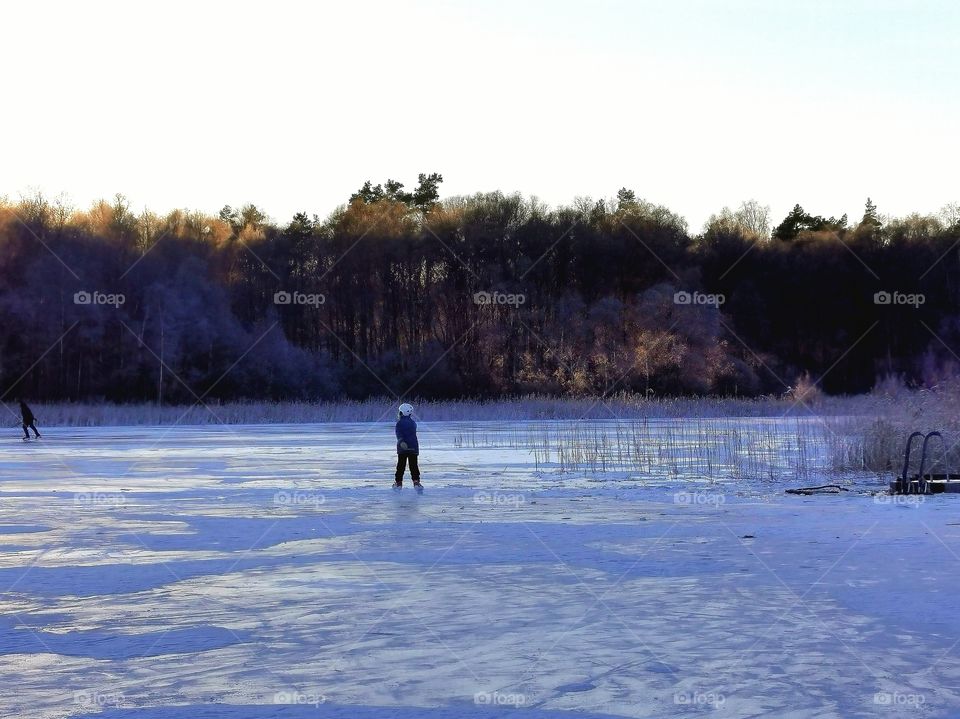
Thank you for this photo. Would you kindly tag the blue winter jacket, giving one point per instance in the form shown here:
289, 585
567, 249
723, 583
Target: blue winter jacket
407, 434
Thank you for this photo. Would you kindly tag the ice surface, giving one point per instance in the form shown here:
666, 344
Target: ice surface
269, 571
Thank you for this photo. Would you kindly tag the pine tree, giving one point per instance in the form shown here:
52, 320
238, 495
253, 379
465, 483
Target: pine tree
870, 219
797, 220
626, 200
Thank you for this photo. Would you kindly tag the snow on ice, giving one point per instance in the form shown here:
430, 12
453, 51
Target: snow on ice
251, 572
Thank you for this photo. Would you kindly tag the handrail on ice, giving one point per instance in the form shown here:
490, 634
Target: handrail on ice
905, 483
905, 477
923, 460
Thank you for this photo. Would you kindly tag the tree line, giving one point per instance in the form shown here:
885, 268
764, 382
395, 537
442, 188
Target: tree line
401, 293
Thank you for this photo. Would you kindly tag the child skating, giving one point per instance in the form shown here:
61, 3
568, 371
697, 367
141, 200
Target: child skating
407, 447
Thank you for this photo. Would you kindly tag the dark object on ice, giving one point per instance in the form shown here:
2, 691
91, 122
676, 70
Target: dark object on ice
747, 536
26, 416
822, 489
925, 482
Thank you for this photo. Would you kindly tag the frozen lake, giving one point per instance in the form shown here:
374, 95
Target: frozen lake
269, 571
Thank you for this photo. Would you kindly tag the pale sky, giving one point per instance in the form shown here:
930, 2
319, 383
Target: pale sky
694, 104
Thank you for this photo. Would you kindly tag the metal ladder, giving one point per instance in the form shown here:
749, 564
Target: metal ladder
905, 485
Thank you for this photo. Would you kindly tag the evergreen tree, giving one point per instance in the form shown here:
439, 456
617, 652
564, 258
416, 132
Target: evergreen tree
792, 224
626, 200
871, 220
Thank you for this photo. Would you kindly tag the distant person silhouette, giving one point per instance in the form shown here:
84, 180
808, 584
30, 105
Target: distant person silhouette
26, 416
407, 446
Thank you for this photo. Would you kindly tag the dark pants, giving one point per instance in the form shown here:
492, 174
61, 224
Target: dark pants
402, 465
31, 425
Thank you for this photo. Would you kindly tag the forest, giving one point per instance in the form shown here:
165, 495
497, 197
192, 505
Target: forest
402, 293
